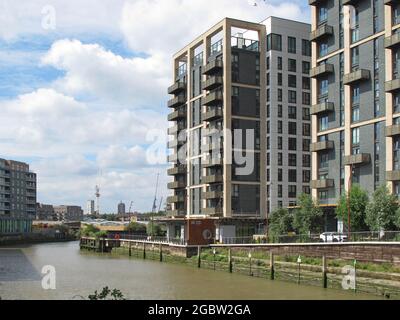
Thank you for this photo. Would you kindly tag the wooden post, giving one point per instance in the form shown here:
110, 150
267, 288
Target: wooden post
324, 274
130, 249
230, 259
271, 265
198, 257
161, 256
144, 250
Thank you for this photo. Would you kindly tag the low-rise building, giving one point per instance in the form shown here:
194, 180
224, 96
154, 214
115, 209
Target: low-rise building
68, 213
45, 212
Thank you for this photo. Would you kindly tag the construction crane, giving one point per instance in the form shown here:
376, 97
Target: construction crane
130, 207
159, 207
154, 207
97, 194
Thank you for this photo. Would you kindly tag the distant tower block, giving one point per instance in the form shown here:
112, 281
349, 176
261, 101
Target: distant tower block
97, 194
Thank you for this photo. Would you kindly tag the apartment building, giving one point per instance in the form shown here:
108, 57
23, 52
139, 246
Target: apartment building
288, 111
219, 90
68, 213
356, 98
45, 212
17, 190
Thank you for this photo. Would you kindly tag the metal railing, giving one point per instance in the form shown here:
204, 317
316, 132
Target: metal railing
328, 237
152, 239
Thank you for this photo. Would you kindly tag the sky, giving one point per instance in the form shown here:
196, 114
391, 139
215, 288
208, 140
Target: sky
83, 89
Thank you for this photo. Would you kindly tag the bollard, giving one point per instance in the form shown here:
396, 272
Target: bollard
271, 265
161, 256
230, 259
324, 273
130, 249
144, 250
198, 257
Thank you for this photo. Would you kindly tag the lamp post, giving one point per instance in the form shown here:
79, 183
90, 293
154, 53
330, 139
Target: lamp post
214, 252
299, 263
250, 264
348, 204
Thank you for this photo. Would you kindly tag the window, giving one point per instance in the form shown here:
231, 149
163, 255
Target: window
356, 136
292, 175
292, 112
306, 129
292, 65
280, 111
280, 159
323, 87
306, 98
280, 193
280, 95
291, 45
279, 79
292, 128
306, 48
292, 191
306, 176
306, 160
323, 123
280, 63
306, 114
274, 42
292, 96
292, 81
322, 14
280, 146
322, 49
306, 83
306, 145
280, 126
292, 160
292, 144
280, 175
306, 67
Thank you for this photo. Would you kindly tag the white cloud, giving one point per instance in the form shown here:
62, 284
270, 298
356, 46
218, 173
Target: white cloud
117, 156
154, 26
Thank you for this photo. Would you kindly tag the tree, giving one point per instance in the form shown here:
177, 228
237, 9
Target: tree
358, 203
90, 230
307, 217
158, 231
137, 228
281, 222
107, 294
382, 211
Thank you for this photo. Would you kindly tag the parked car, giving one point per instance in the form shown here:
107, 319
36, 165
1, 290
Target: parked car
332, 237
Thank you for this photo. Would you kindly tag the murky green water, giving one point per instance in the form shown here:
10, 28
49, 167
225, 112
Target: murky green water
80, 274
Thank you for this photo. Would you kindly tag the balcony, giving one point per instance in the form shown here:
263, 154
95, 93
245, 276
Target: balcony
316, 2
393, 175
322, 184
356, 76
212, 211
212, 146
176, 102
212, 195
212, 114
213, 98
177, 185
350, 2
324, 107
322, 31
357, 159
212, 82
321, 70
212, 178
176, 213
178, 114
212, 67
322, 146
176, 199
176, 128
209, 163
175, 143
177, 170
393, 130
173, 158
177, 87
392, 85
390, 2
392, 41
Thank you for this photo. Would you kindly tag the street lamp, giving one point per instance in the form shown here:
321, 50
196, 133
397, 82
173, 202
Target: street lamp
214, 252
250, 263
348, 204
299, 263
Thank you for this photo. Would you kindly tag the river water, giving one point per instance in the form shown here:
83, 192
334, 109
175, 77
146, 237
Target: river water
79, 274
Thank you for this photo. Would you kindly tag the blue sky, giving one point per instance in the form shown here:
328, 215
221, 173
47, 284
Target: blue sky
79, 101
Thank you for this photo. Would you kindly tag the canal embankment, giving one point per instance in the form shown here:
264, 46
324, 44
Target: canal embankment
371, 268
